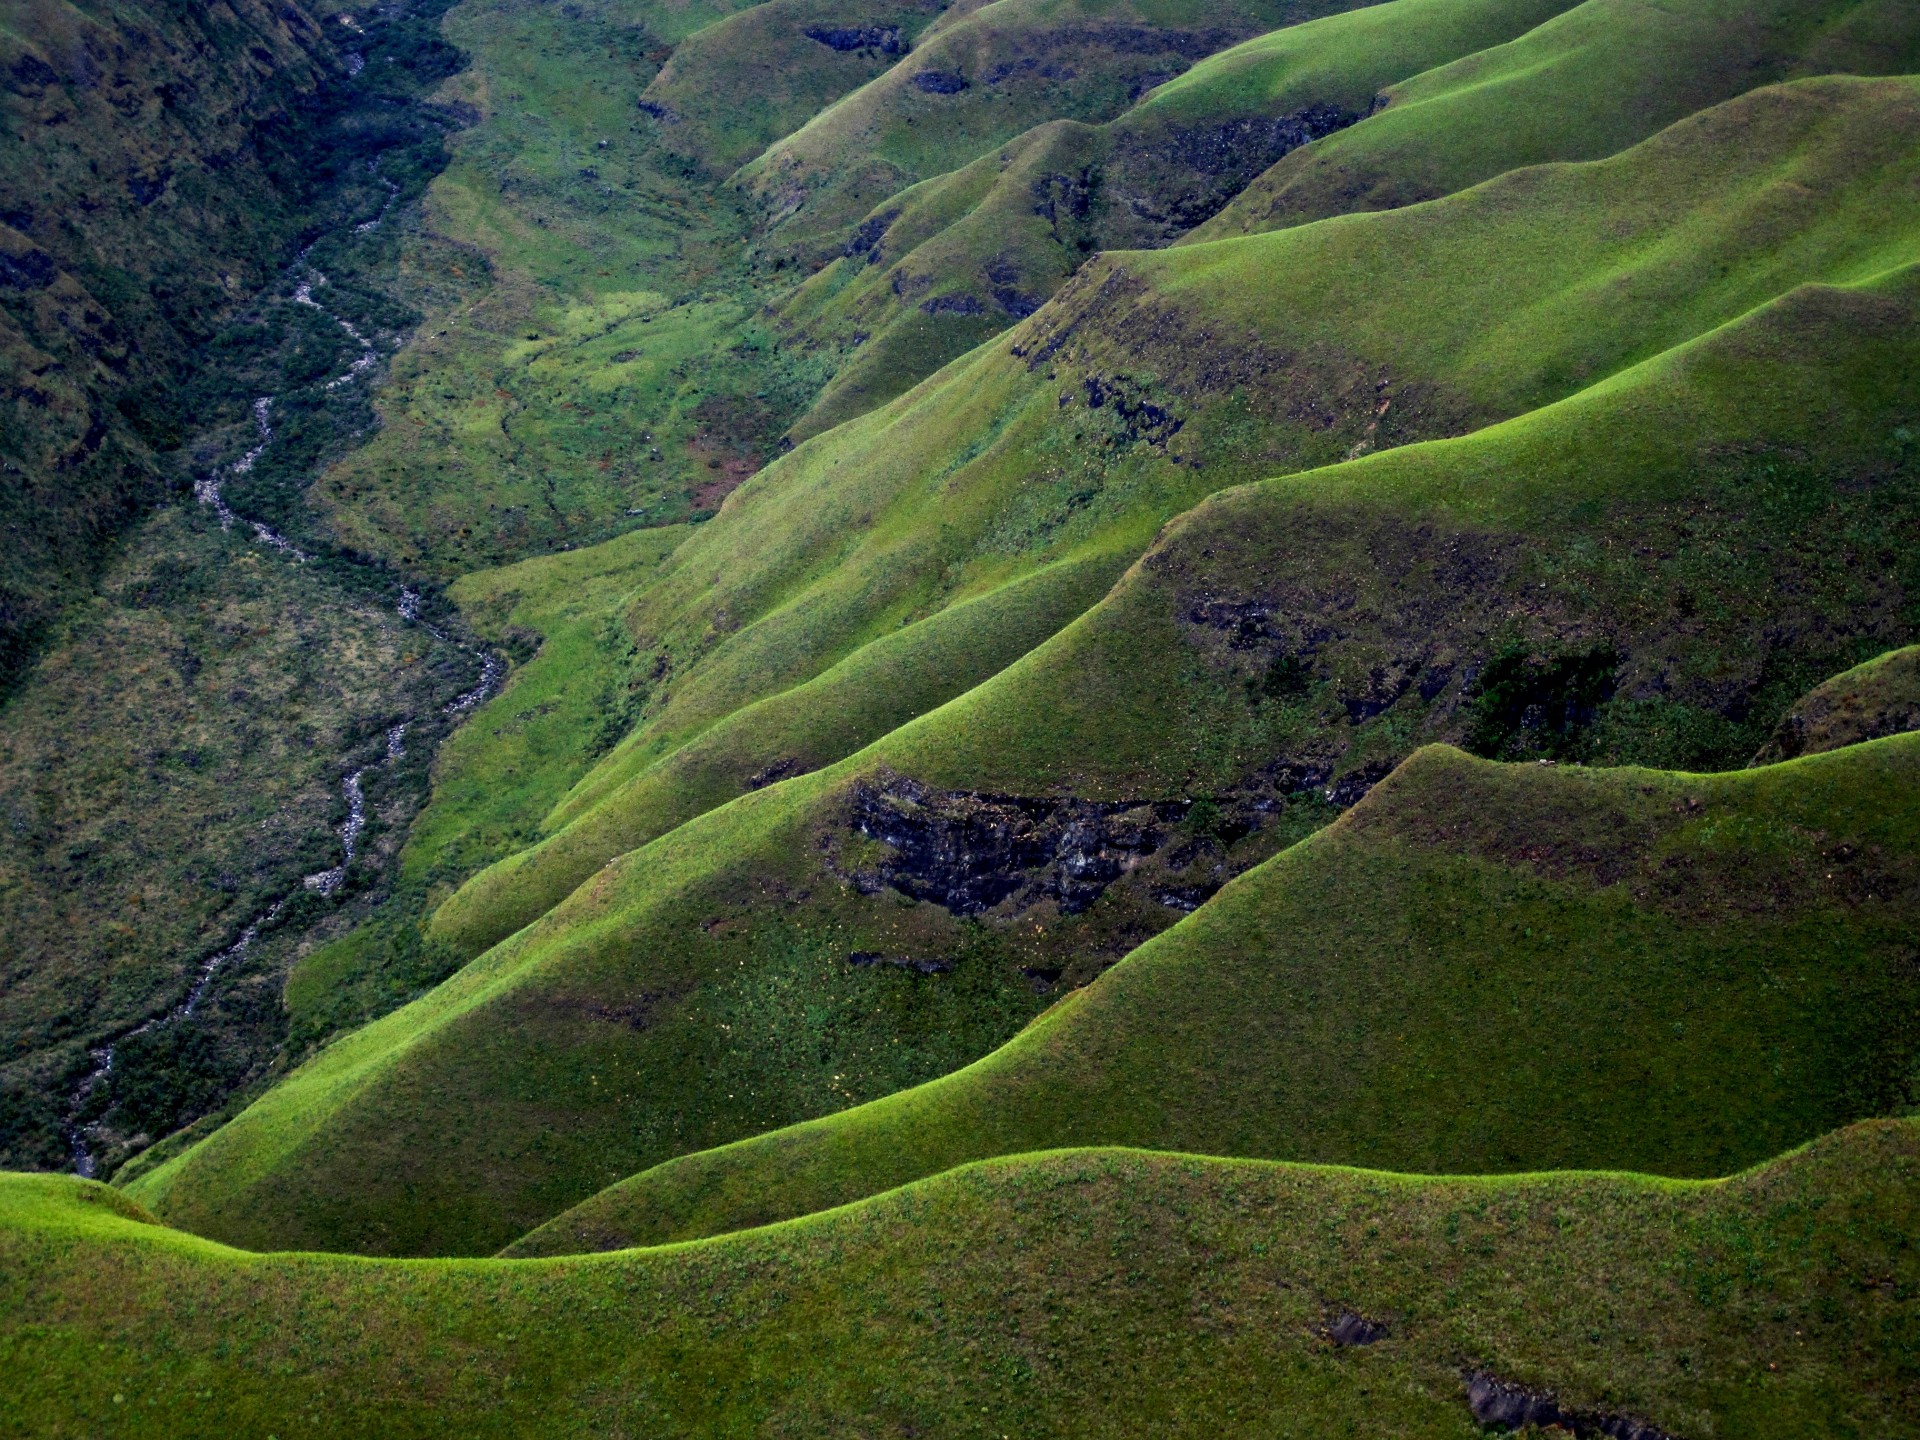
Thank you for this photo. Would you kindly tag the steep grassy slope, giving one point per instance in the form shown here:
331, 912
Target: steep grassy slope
735, 87
561, 706
977, 79
120, 250
1879, 698
945, 264
1578, 582
1116, 1293
1599, 78
783, 582
570, 699
1477, 968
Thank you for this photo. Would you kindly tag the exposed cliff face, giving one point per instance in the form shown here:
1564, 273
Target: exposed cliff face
145, 190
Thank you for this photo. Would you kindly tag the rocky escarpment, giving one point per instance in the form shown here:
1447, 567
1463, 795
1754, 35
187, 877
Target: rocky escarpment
971, 852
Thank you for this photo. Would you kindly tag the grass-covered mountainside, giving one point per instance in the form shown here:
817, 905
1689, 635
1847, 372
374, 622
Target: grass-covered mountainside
1707, 551
1598, 77
1478, 968
1879, 698
1208, 724
946, 263
1081, 1292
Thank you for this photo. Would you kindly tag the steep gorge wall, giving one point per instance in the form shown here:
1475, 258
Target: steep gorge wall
149, 184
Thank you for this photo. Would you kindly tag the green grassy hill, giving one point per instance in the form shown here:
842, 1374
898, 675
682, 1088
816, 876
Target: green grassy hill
1207, 707
1577, 583
946, 263
1477, 968
1596, 79
1089, 1291
978, 78
730, 90
786, 610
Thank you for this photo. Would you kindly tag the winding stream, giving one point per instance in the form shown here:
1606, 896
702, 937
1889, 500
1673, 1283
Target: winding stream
208, 491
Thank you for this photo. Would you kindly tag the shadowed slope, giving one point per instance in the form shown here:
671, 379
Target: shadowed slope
1116, 1293
1879, 698
121, 253
1597, 79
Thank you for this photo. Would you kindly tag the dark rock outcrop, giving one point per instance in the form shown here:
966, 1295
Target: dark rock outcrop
874, 39
1502, 1405
1350, 1327
940, 82
970, 852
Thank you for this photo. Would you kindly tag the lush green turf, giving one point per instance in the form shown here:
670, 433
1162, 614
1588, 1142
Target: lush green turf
1601, 77
941, 484
1478, 968
879, 686
1083, 1292
570, 699
736, 86
950, 781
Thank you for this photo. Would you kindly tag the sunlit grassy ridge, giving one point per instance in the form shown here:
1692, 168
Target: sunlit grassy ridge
699, 989
881, 685
1878, 698
973, 477
1595, 80
977, 79
1478, 968
1420, 676
740, 84
1111, 1292
948, 262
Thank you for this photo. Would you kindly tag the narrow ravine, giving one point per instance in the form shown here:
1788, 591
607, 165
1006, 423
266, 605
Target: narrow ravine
208, 490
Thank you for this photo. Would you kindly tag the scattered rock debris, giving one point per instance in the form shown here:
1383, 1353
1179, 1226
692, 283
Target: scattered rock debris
873, 39
785, 768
